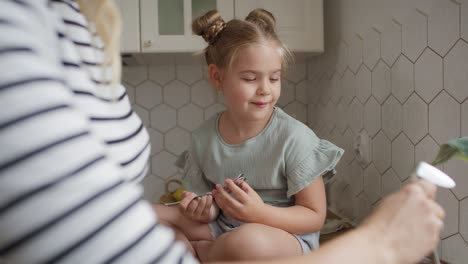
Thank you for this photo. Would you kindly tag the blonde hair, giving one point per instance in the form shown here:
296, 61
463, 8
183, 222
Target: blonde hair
226, 39
105, 16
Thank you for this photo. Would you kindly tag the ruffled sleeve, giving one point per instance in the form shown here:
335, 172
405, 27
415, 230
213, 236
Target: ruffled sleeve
193, 179
320, 161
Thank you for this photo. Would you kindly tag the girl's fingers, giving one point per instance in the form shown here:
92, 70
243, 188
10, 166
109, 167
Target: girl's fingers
240, 194
201, 205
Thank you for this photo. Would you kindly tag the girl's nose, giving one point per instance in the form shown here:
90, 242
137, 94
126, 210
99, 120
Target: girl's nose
263, 89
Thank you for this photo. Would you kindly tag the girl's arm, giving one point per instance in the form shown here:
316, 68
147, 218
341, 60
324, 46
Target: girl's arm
307, 215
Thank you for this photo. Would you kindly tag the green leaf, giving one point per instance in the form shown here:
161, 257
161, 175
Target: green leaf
456, 147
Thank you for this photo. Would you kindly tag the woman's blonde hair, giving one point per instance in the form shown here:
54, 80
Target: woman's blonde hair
105, 16
226, 39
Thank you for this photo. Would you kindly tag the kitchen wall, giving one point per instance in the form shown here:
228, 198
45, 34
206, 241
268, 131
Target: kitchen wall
397, 72
172, 95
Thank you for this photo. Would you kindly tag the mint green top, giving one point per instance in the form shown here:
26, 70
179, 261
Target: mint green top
279, 162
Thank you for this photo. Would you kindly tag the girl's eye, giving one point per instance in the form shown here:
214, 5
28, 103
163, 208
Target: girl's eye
274, 80
248, 79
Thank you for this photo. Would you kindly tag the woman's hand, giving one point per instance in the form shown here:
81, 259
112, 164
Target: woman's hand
409, 222
242, 203
201, 209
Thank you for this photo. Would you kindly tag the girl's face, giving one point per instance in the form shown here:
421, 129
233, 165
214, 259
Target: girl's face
252, 86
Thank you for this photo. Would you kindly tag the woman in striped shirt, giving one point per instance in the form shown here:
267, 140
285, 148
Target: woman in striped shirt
73, 153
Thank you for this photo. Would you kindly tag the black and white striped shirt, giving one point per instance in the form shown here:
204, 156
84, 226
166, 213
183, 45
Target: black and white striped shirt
72, 150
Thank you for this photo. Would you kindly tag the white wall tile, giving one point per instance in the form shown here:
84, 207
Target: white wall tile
426, 150
130, 92
372, 117
297, 110
177, 140
356, 177
464, 219
363, 84
454, 250
189, 68
356, 116
148, 94
390, 183
162, 74
287, 93
464, 119
444, 118
392, 117
371, 48
214, 109
297, 71
414, 34
176, 94
444, 26
163, 118
157, 141
447, 200
313, 90
163, 166
372, 183
336, 87
348, 144
348, 87
457, 169
391, 42
301, 92
381, 82
342, 57
415, 121
402, 156
428, 75
381, 152
143, 114
355, 53
311, 115
362, 208
190, 117
464, 20
203, 94
134, 75
340, 118
455, 69
153, 187
402, 79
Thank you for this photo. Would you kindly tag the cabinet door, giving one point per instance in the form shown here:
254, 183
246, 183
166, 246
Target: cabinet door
166, 25
299, 22
130, 11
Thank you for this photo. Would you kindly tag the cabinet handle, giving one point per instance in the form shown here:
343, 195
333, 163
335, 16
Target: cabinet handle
148, 43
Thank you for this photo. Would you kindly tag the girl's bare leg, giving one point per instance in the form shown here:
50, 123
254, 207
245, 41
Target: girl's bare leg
249, 242
186, 229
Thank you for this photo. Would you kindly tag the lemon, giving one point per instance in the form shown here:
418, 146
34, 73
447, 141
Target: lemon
177, 194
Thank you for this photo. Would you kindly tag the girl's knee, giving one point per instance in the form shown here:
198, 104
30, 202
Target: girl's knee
250, 241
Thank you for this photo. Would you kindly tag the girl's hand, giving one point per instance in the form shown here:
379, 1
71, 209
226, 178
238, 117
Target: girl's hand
244, 204
201, 209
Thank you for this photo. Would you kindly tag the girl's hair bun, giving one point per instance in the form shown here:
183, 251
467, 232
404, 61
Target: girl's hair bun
209, 26
262, 18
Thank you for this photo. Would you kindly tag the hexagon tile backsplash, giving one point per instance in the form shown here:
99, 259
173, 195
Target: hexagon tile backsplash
410, 86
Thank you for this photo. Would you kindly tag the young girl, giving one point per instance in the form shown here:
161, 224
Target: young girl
282, 207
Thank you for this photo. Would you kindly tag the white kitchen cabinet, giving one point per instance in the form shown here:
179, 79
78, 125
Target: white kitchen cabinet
130, 10
166, 25
299, 22
158, 26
